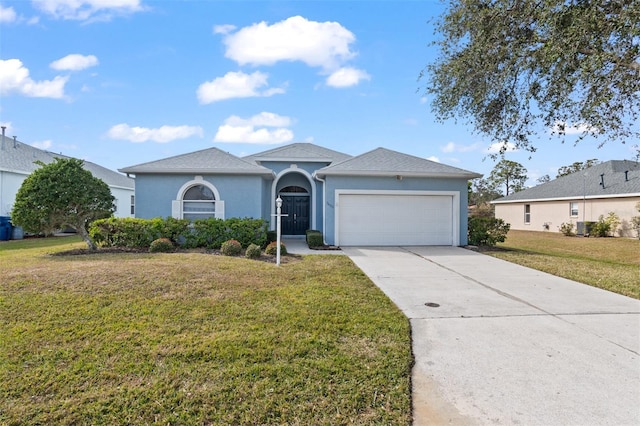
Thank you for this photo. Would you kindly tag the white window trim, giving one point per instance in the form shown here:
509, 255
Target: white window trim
177, 211
577, 209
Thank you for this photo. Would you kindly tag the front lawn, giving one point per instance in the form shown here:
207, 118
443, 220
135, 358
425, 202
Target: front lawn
609, 263
194, 338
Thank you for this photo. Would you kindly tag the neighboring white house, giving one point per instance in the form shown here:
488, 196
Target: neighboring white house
613, 186
17, 161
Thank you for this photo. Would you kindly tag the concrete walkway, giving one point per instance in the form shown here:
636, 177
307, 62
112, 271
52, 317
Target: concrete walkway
497, 343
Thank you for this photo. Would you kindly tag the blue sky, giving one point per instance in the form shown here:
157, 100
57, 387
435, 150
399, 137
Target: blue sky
122, 82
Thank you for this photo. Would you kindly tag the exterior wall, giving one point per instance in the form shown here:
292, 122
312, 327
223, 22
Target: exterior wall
10, 183
391, 183
123, 201
554, 213
242, 194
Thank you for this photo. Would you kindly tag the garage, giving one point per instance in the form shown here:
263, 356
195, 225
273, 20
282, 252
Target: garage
396, 218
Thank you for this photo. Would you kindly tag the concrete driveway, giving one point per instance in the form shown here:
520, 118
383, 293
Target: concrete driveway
508, 345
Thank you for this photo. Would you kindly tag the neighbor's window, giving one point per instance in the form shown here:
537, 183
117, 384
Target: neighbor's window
573, 207
133, 204
198, 202
527, 213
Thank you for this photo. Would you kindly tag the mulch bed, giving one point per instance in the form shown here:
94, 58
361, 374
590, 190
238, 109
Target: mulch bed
288, 258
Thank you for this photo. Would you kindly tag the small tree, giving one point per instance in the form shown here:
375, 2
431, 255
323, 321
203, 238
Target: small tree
59, 195
635, 221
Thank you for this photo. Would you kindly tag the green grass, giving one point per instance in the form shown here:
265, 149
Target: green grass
193, 338
609, 263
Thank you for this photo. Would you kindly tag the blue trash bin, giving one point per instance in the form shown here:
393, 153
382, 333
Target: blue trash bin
5, 228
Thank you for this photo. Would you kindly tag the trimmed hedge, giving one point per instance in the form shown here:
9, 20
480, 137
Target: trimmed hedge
314, 238
206, 233
272, 248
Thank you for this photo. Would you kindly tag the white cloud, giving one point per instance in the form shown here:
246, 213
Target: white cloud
317, 44
575, 129
74, 62
347, 77
255, 129
454, 147
162, 134
268, 119
7, 14
434, 158
235, 85
47, 144
88, 9
497, 147
223, 29
14, 78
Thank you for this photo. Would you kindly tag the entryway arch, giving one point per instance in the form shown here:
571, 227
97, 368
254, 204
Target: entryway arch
297, 190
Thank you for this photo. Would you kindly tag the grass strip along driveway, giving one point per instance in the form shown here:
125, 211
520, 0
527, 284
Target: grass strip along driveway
609, 263
195, 338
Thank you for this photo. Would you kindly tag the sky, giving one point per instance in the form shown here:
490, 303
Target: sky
123, 82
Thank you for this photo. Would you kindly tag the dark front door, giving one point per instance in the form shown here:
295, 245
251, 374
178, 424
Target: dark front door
297, 209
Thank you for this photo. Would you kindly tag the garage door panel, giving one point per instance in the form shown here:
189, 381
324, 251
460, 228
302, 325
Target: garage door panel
366, 219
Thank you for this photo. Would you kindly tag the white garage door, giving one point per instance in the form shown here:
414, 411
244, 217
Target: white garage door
392, 220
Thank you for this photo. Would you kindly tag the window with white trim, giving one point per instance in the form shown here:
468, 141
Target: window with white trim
527, 213
198, 202
573, 209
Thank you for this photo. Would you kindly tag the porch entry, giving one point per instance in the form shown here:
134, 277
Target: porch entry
296, 205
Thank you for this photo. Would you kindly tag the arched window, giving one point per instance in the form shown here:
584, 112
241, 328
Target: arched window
198, 202
198, 199
293, 189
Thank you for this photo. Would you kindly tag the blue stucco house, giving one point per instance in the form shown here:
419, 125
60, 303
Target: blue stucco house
379, 198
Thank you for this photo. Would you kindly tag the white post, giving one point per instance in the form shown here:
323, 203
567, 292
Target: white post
278, 220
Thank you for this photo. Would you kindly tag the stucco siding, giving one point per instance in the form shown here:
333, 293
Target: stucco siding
10, 183
390, 183
242, 194
554, 213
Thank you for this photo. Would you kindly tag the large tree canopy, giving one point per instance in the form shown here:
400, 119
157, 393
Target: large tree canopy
59, 195
515, 68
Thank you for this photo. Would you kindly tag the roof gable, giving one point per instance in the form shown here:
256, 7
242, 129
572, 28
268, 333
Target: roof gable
299, 152
18, 157
385, 162
206, 161
613, 178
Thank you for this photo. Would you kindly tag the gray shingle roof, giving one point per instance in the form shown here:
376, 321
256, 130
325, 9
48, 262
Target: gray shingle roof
206, 161
299, 152
586, 183
20, 158
385, 162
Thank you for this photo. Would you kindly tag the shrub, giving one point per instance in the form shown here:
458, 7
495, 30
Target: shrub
487, 231
314, 238
567, 229
272, 248
209, 233
253, 251
161, 245
231, 248
606, 227
271, 237
635, 224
